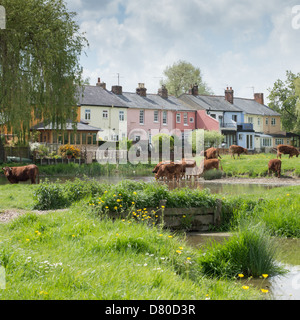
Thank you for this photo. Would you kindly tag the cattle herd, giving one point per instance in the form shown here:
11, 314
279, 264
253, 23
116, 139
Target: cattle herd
169, 170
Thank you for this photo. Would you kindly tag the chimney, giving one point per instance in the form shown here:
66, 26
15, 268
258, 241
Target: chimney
101, 84
141, 90
163, 92
116, 90
259, 97
229, 95
194, 90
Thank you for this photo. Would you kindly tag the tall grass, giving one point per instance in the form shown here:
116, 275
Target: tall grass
75, 255
250, 252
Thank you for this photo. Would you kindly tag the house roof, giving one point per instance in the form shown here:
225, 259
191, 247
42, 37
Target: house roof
206, 102
80, 126
97, 96
153, 101
218, 103
250, 106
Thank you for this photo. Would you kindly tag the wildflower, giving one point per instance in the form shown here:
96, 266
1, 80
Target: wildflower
106, 207
43, 292
27, 240
115, 207
240, 275
118, 200
73, 235
178, 251
134, 193
287, 194
265, 275
188, 258
181, 248
114, 195
245, 287
264, 290
170, 236
132, 202
160, 235
183, 216
163, 207
117, 234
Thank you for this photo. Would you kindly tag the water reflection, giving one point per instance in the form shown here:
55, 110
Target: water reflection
215, 187
284, 287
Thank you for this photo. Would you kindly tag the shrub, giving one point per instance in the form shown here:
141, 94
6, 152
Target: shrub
250, 252
68, 149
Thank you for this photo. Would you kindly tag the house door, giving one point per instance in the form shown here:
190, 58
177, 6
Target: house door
249, 141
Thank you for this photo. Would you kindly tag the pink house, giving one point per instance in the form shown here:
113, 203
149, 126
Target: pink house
206, 122
150, 114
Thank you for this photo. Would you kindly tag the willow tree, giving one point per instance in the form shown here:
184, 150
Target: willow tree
39, 64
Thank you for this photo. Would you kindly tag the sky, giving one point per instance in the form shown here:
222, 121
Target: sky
246, 45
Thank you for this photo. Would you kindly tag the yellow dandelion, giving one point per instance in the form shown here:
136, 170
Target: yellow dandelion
132, 202
134, 192
265, 275
178, 251
160, 235
240, 275
264, 290
118, 200
106, 207
170, 236
287, 194
245, 287
188, 258
117, 234
73, 235
162, 207
181, 248
116, 208
27, 240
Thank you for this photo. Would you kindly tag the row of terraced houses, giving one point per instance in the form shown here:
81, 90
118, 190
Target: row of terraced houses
105, 115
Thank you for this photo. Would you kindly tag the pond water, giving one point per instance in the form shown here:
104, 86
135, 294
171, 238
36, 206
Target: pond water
286, 287
215, 187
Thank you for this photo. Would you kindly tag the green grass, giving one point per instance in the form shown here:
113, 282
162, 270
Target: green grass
250, 252
257, 165
75, 255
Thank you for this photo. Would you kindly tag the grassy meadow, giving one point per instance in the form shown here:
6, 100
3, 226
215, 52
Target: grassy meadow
79, 253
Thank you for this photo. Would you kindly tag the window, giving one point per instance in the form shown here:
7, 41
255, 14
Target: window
278, 141
83, 138
258, 121
121, 116
155, 119
273, 121
266, 142
87, 114
191, 120
137, 138
213, 115
105, 114
178, 117
267, 121
250, 119
77, 138
164, 117
94, 138
185, 118
234, 117
141, 116
240, 137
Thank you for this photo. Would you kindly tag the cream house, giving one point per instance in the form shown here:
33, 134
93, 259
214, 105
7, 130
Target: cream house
101, 108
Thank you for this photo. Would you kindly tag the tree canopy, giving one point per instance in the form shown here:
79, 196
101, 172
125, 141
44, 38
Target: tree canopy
39, 64
181, 76
284, 98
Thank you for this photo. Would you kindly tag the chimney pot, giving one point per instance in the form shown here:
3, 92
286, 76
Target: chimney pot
101, 84
163, 92
141, 90
229, 95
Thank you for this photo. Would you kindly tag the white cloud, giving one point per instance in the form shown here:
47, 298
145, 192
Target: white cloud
236, 43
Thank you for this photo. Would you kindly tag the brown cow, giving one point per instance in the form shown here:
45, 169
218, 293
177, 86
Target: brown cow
285, 149
170, 171
16, 174
187, 167
237, 149
209, 164
274, 165
212, 153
